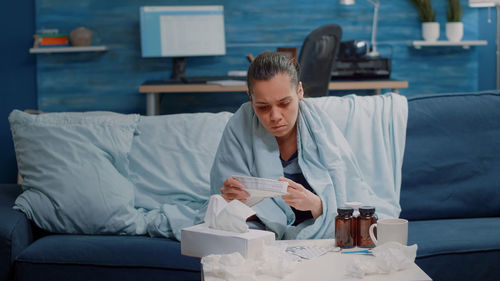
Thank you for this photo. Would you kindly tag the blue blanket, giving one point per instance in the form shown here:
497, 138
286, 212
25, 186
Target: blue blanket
351, 152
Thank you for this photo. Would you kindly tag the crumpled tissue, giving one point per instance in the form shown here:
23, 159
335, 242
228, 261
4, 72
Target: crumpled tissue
230, 216
272, 261
389, 257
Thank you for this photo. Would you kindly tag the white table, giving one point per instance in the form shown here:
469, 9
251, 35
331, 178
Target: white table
332, 267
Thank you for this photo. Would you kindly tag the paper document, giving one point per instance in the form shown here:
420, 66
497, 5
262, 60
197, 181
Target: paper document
260, 188
305, 252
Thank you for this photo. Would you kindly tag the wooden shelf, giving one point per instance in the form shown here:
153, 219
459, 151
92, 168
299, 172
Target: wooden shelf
68, 49
464, 44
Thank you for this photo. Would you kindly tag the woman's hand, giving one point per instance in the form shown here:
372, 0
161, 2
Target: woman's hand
233, 189
302, 199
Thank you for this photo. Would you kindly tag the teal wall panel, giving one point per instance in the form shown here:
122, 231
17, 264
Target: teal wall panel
487, 56
17, 76
110, 80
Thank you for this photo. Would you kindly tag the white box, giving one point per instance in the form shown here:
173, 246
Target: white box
200, 241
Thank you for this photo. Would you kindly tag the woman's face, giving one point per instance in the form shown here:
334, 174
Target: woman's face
276, 103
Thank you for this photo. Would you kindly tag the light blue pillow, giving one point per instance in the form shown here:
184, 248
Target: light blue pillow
74, 167
171, 158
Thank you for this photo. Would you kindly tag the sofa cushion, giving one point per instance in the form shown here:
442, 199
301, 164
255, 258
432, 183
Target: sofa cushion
15, 229
472, 244
75, 272
481, 265
448, 236
452, 156
109, 250
109, 256
73, 167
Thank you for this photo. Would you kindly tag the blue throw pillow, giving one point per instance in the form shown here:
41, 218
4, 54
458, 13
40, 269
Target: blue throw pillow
74, 167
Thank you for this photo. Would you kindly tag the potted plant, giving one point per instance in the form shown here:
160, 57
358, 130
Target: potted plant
454, 25
430, 28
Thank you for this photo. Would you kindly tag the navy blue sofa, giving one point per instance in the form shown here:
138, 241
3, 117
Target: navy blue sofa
451, 184
450, 193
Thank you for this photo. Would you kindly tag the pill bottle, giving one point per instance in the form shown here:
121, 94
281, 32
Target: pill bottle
345, 228
366, 218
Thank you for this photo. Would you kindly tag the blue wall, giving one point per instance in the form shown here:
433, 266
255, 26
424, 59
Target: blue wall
17, 75
110, 80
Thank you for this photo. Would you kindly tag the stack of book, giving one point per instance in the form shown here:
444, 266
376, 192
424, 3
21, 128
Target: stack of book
52, 39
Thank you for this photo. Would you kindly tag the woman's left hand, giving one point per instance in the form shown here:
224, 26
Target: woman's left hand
302, 199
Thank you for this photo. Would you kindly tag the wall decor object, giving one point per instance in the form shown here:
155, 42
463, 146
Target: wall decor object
454, 24
80, 36
430, 27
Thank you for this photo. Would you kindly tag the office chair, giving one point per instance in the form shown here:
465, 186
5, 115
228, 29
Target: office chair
317, 57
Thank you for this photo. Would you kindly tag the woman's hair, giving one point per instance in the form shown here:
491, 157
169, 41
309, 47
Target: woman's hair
269, 64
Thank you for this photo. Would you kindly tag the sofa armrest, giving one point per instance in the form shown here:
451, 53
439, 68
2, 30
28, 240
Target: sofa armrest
15, 229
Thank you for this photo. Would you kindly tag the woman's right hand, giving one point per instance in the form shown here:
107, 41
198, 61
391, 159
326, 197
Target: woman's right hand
233, 189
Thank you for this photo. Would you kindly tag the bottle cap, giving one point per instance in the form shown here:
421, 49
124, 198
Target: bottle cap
345, 211
354, 204
367, 210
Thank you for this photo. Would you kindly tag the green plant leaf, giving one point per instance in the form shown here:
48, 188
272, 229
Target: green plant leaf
425, 11
454, 13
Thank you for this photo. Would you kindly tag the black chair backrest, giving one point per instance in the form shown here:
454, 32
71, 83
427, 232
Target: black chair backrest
317, 57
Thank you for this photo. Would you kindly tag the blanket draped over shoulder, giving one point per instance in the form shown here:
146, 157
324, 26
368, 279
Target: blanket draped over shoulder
349, 149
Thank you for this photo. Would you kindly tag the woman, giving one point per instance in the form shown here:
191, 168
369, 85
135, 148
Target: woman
275, 93
279, 135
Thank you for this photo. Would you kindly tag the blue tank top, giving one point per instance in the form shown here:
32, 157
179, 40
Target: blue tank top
292, 171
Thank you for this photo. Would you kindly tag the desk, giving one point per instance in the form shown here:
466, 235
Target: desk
154, 89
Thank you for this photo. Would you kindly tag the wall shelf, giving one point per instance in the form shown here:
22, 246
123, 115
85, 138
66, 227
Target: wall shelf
464, 44
68, 49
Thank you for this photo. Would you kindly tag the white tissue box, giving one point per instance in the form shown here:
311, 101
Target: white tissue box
200, 241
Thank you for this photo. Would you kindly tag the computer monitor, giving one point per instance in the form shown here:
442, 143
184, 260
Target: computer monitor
182, 31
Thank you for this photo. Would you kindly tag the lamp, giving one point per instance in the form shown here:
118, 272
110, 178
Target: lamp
376, 4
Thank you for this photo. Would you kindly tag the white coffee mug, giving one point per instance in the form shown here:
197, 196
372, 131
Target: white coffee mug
390, 230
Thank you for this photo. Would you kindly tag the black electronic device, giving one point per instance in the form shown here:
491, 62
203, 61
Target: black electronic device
352, 49
352, 62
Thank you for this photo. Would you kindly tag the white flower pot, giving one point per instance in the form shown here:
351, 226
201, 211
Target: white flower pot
430, 31
454, 31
